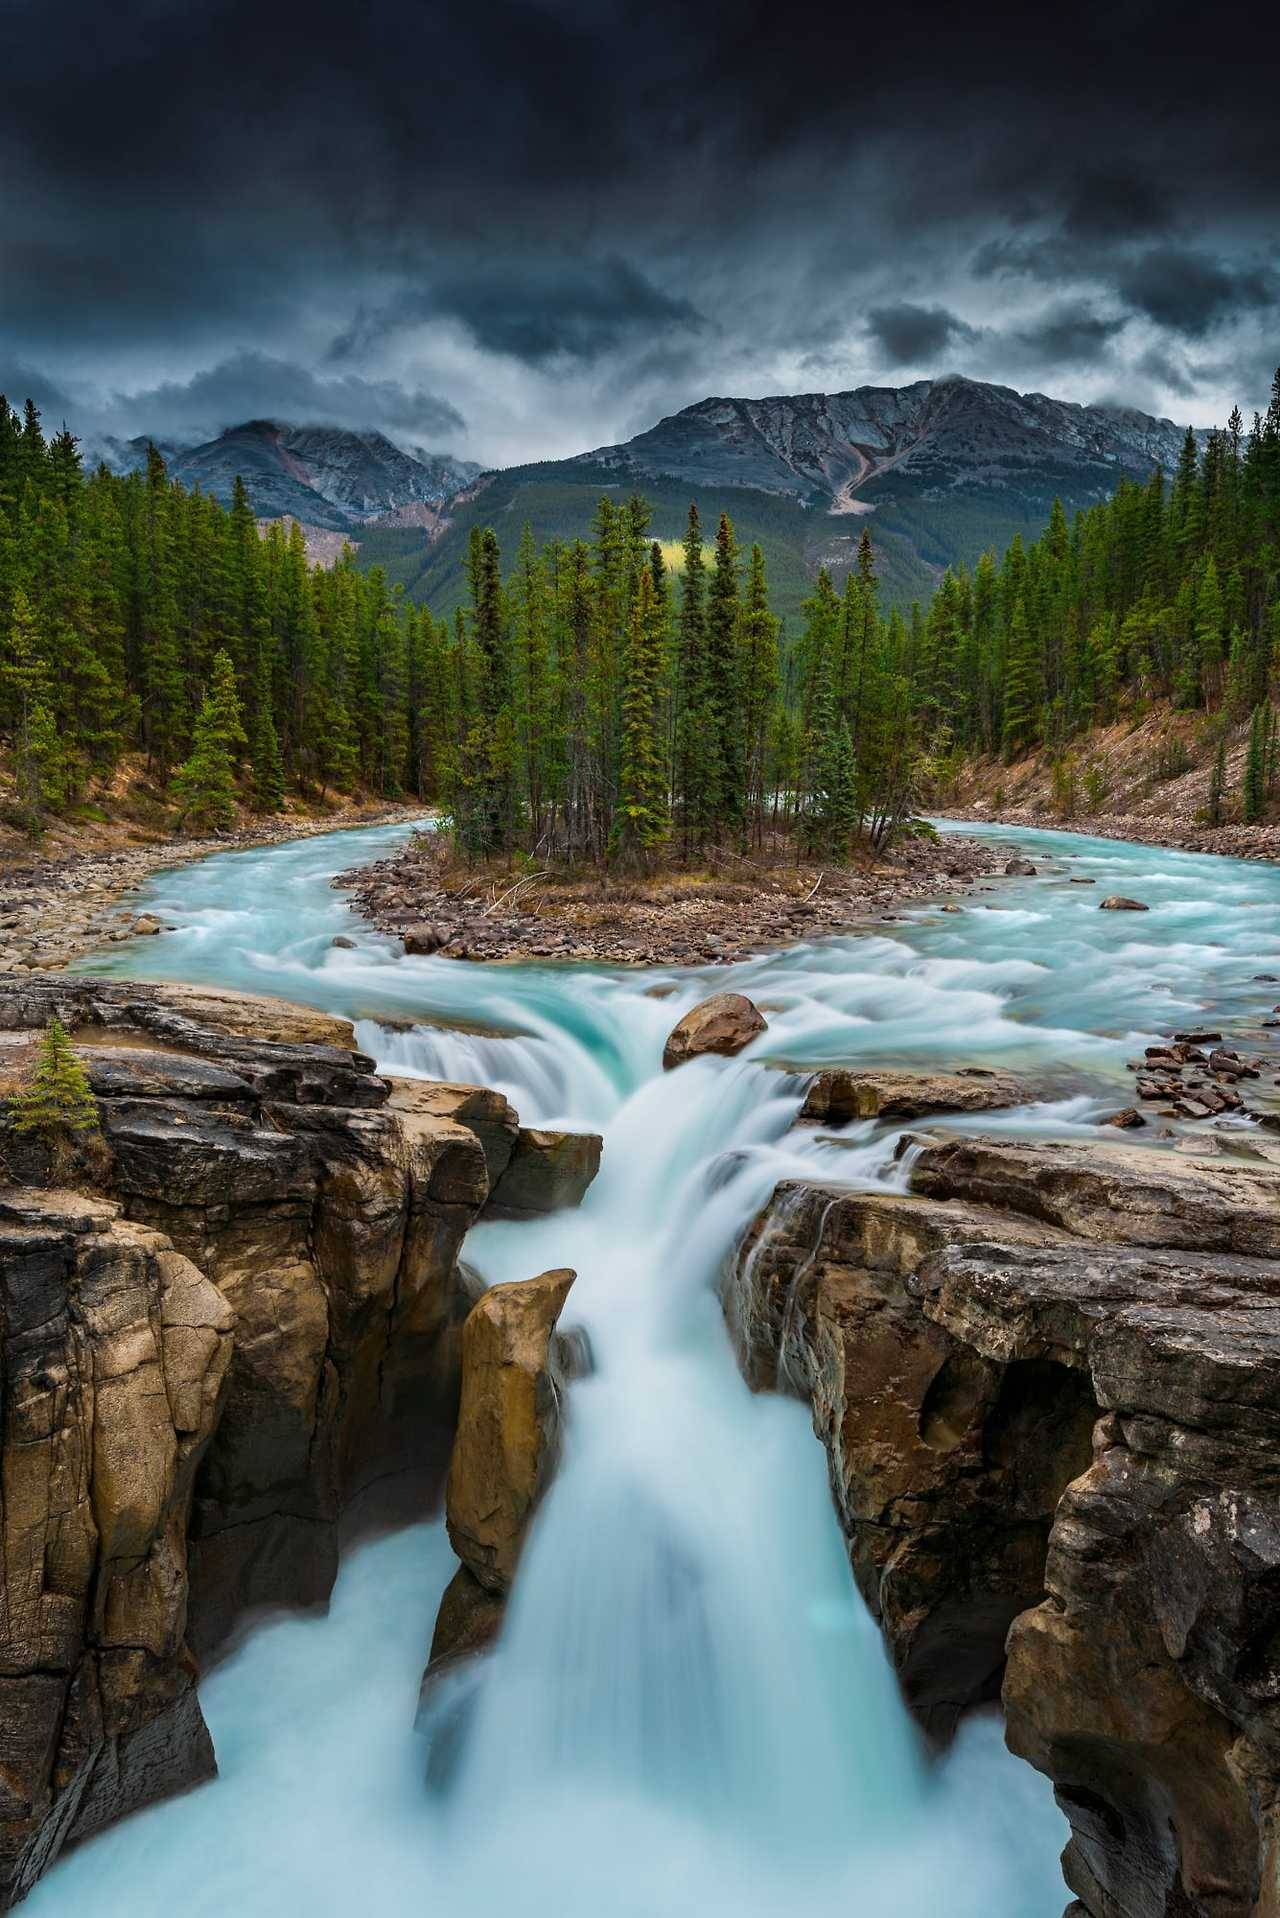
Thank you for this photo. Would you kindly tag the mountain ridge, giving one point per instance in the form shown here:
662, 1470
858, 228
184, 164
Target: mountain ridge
329, 477
815, 444
940, 470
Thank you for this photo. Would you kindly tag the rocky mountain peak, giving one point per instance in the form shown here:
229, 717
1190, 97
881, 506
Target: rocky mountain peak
328, 477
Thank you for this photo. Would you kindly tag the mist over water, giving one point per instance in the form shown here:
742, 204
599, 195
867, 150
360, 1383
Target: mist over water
690, 1711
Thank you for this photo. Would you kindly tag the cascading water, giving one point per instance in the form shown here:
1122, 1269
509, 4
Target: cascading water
689, 1711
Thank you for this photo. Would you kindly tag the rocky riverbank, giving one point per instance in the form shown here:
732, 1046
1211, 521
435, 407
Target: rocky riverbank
1261, 842
681, 919
227, 1317
54, 909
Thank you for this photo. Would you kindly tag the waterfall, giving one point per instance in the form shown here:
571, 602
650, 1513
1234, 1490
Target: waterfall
689, 1712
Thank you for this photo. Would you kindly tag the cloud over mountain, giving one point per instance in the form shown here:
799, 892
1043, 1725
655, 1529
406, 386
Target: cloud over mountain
533, 227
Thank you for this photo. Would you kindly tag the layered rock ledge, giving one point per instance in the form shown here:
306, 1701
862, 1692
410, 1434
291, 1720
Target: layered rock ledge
253, 1320
1048, 1382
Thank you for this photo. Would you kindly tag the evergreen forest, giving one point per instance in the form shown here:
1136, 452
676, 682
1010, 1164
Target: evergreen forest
608, 699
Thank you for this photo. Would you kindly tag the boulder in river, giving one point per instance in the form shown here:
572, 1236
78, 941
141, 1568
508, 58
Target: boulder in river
872, 1092
1116, 902
1020, 869
723, 1024
423, 938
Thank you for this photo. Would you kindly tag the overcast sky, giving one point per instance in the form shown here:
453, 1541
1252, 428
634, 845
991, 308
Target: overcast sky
514, 231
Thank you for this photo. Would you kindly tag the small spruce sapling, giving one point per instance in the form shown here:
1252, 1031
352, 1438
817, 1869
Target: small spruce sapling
59, 1098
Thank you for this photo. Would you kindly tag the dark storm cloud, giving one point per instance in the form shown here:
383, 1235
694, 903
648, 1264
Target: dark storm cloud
1189, 292
533, 310
20, 381
255, 385
583, 193
915, 335
1069, 332
1116, 205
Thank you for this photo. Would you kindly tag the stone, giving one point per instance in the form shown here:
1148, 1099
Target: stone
488, 1114
341, 941
146, 924
547, 1171
1127, 1119
423, 938
1116, 902
722, 1024
330, 1224
1020, 869
507, 1424
871, 1092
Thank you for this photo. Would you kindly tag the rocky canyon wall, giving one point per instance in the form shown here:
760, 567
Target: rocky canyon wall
1048, 1382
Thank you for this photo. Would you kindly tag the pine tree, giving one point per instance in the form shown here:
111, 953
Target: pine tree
59, 1098
694, 728
833, 813
760, 681
724, 696
641, 821
1255, 768
1217, 783
1020, 688
264, 746
204, 787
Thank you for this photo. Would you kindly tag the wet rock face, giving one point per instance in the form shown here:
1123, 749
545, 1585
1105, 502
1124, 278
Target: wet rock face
506, 1423
841, 1094
114, 1358
547, 1170
723, 1024
514, 1367
957, 1344
946, 1465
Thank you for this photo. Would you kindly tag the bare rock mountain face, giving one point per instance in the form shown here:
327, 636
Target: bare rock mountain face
326, 477
253, 1321
1048, 1382
938, 471
839, 450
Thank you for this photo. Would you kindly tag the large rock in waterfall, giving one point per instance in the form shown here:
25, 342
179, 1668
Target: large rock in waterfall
1048, 1382
513, 1369
724, 1023
885, 1092
532, 1169
506, 1423
547, 1170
